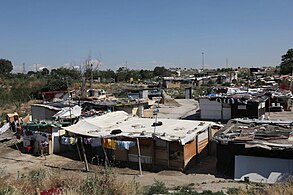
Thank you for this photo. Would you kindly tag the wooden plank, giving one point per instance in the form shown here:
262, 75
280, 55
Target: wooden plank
178, 165
176, 156
168, 151
162, 154
145, 150
139, 160
84, 155
121, 155
189, 150
202, 144
162, 162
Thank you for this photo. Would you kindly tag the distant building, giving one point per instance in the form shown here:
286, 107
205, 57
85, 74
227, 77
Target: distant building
257, 73
55, 96
233, 106
43, 111
176, 82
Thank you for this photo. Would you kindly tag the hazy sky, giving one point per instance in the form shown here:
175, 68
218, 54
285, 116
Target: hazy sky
145, 33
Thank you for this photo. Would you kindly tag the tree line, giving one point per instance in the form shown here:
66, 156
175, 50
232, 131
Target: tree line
18, 88
123, 74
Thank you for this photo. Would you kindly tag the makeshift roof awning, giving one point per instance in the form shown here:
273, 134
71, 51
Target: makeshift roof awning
134, 127
68, 112
267, 134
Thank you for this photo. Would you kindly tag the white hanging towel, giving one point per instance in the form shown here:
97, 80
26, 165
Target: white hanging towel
4, 128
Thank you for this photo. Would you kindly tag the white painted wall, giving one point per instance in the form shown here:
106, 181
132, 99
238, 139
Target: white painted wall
262, 169
226, 111
204, 135
213, 109
209, 109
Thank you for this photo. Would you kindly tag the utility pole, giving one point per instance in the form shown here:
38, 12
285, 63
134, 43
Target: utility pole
202, 60
91, 84
83, 79
36, 67
23, 68
69, 98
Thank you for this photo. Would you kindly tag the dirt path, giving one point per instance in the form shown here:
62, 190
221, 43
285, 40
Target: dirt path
184, 108
14, 165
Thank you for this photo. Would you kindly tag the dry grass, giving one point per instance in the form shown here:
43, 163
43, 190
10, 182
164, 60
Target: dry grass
285, 188
24, 108
104, 181
69, 182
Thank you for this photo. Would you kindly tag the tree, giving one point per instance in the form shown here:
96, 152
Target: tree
145, 74
55, 85
66, 72
45, 71
287, 62
5, 66
108, 74
161, 71
122, 74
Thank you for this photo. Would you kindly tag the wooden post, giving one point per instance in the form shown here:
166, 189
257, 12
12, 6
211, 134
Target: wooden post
196, 144
84, 155
154, 153
106, 157
78, 150
139, 160
168, 151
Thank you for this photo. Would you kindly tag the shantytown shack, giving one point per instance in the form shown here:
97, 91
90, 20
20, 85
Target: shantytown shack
162, 143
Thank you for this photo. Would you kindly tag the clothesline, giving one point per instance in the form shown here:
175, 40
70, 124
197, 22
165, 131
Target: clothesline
96, 142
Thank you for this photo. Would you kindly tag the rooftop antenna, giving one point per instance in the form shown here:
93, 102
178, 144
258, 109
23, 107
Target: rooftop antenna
227, 63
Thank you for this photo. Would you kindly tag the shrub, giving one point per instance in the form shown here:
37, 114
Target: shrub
233, 191
185, 190
157, 187
209, 192
37, 177
6, 190
90, 186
